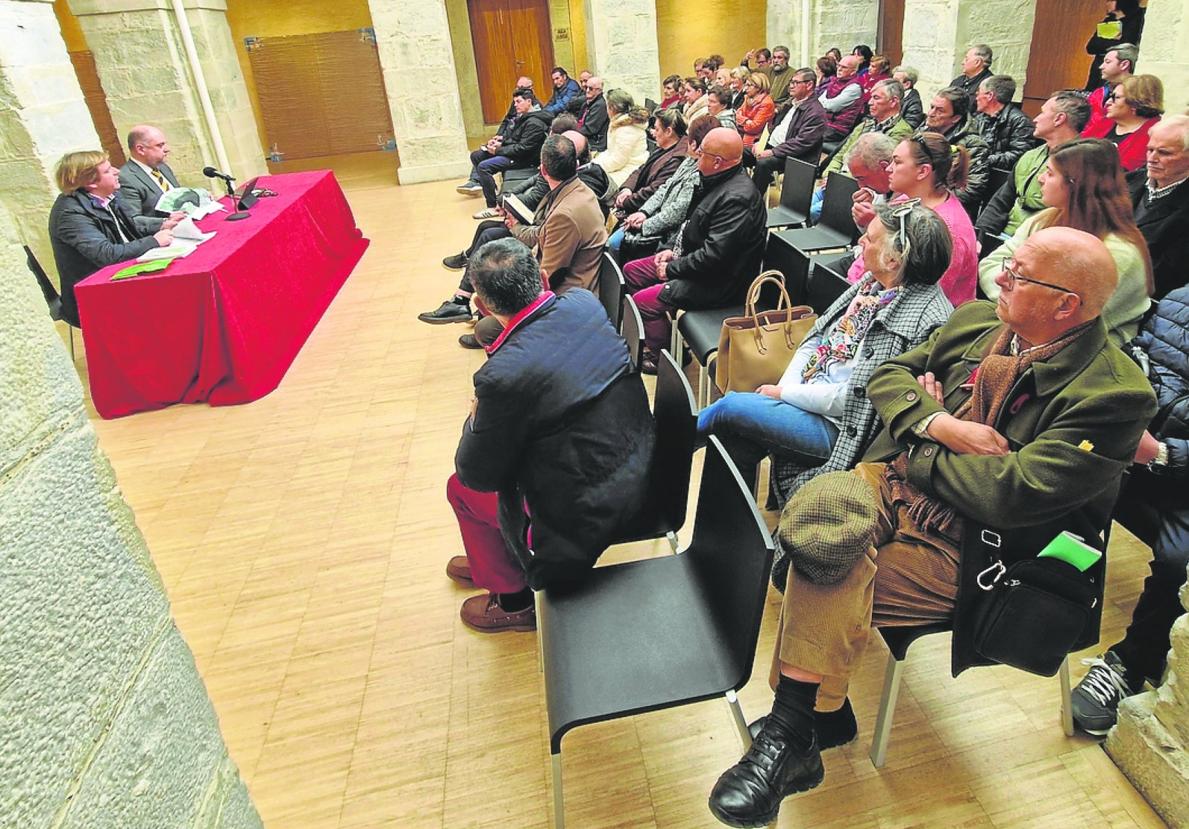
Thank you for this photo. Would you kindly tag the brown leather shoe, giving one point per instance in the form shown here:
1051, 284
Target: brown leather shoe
484, 614
459, 569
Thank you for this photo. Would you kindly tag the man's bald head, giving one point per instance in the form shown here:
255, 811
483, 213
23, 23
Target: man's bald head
524, 82
722, 144
1080, 262
147, 144
594, 86
849, 65
579, 143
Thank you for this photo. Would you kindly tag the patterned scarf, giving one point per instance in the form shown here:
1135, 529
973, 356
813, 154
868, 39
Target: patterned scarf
993, 380
842, 342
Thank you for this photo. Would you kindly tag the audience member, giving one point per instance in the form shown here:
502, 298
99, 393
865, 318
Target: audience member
145, 176
825, 69
718, 104
869, 163
779, 74
519, 145
757, 110
627, 147
925, 167
864, 54
763, 59
672, 147
1124, 23
722, 77
714, 63
693, 91
557, 447
1131, 110
949, 116
672, 93
658, 221
1154, 506
1161, 200
911, 108
885, 117
812, 421
1003, 125
835, 53
843, 100
565, 90
879, 69
718, 251
1061, 118
797, 132
882, 545
976, 68
1117, 66
739, 76
593, 120
91, 227
701, 70
1082, 186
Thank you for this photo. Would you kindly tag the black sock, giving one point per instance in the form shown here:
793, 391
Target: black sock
459, 299
515, 602
792, 710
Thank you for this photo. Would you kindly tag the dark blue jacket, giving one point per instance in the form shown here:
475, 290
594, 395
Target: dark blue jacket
561, 426
1165, 339
561, 97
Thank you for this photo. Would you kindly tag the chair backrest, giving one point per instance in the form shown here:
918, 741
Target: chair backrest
836, 204
796, 191
783, 256
995, 181
52, 300
676, 416
611, 289
731, 552
633, 331
824, 285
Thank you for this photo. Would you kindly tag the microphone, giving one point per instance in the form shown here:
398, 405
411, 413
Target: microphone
211, 172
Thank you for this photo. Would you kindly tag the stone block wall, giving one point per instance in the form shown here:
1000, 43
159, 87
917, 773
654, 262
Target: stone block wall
1165, 51
621, 38
841, 23
106, 722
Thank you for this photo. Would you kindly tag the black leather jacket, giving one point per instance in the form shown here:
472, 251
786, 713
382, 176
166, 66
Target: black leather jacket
1009, 135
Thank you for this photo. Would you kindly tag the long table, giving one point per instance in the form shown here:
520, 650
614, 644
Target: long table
223, 324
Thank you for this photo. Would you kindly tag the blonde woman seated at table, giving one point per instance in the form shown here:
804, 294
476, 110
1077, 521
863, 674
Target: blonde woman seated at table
627, 145
1082, 187
816, 419
925, 167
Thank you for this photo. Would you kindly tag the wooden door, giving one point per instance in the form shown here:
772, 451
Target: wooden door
1058, 58
511, 39
890, 39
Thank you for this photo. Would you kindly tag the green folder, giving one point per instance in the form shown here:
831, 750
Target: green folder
1072, 550
151, 266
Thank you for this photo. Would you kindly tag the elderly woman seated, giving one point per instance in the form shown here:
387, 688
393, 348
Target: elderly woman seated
811, 421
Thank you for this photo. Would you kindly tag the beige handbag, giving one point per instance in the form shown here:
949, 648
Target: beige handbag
756, 348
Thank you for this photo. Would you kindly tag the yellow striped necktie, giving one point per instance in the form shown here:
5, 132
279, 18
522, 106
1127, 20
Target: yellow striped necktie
161, 181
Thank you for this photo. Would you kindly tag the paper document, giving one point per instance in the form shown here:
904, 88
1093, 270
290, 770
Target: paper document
187, 231
202, 211
176, 250
518, 209
181, 198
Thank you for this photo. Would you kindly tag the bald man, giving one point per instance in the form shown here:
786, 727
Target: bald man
145, 175
1013, 423
722, 243
593, 120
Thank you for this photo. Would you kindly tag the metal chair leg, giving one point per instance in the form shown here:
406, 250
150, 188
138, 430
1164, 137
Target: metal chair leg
703, 387
887, 709
672, 541
70, 333
675, 341
740, 720
540, 638
559, 805
1066, 701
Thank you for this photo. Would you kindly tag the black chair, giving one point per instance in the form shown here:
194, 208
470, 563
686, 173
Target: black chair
780, 255
836, 229
654, 634
52, 299
995, 181
611, 288
826, 281
633, 331
676, 417
515, 175
796, 193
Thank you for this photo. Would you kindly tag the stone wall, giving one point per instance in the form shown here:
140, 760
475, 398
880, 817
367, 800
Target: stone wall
105, 721
621, 39
1151, 742
1165, 50
841, 23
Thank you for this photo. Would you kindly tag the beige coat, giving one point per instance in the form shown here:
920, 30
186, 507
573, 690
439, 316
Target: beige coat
569, 232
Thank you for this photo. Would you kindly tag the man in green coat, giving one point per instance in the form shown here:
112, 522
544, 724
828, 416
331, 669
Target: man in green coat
1020, 415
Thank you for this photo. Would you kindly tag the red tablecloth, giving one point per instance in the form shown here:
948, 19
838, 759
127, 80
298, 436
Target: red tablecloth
223, 324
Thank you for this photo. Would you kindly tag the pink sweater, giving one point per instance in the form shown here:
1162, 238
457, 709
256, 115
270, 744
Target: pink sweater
960, 279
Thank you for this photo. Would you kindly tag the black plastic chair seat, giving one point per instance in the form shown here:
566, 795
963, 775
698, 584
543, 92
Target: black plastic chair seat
701, 329
817, 237
781, 216
898, 639
824, 283
515, 175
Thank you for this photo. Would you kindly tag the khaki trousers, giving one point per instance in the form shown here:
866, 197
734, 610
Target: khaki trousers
907, 578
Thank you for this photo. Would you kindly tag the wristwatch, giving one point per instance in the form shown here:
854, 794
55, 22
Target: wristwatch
1161, 459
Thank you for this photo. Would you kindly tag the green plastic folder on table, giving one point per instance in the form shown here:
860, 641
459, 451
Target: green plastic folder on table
141, 267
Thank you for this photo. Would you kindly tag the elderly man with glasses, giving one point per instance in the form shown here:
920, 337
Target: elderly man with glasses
1018, 415
797, 130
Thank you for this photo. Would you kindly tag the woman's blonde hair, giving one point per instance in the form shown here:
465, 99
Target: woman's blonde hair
760, 80
75, 171
1145, 94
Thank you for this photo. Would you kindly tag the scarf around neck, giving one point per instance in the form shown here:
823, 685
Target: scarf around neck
840, 344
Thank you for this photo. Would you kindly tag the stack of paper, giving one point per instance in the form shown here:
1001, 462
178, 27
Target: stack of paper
175, 250
187, 231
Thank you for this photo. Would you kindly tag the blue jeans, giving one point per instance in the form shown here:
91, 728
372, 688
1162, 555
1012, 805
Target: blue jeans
615, 239
484, 167
752, 425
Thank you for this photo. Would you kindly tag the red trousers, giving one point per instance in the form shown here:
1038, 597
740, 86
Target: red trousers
493, 566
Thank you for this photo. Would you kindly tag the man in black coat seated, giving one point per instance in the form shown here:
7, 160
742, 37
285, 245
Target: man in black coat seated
90, 227
555, 455
517, 145
593, 120
797, 131
1161, 199
1007, 130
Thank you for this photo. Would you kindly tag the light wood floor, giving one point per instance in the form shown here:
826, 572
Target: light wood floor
302, 540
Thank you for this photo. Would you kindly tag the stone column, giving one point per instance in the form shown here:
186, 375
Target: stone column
142, 62
1151, 741
1165, 51
841, 23
413, 39
106, 722
43, 117
937, 34
621, 39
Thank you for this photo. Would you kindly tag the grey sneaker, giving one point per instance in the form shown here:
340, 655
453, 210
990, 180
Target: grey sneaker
456, 262
449, 311
470, 188
1095, 700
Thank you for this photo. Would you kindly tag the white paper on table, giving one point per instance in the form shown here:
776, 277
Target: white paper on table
207, 209
176, 250
187, 231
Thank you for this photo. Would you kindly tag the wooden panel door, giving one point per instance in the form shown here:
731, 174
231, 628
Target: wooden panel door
891, 30
1058, 58
511, 39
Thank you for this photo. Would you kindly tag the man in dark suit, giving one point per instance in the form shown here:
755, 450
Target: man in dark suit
976, 68
145, 176
90, 227
797, 133
1161, 198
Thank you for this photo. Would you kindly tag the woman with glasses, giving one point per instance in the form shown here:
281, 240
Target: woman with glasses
757, 109
925, 167
1082, 187
816, 419
1131, 110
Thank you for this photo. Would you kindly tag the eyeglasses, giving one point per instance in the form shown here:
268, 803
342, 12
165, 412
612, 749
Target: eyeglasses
900, 213
1014, 276
699, 152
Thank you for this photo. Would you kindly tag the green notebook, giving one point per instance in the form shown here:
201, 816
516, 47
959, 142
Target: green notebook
151, 266
1072, 550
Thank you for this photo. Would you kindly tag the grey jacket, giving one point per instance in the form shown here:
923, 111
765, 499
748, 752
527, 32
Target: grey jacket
139, 192
667, 207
